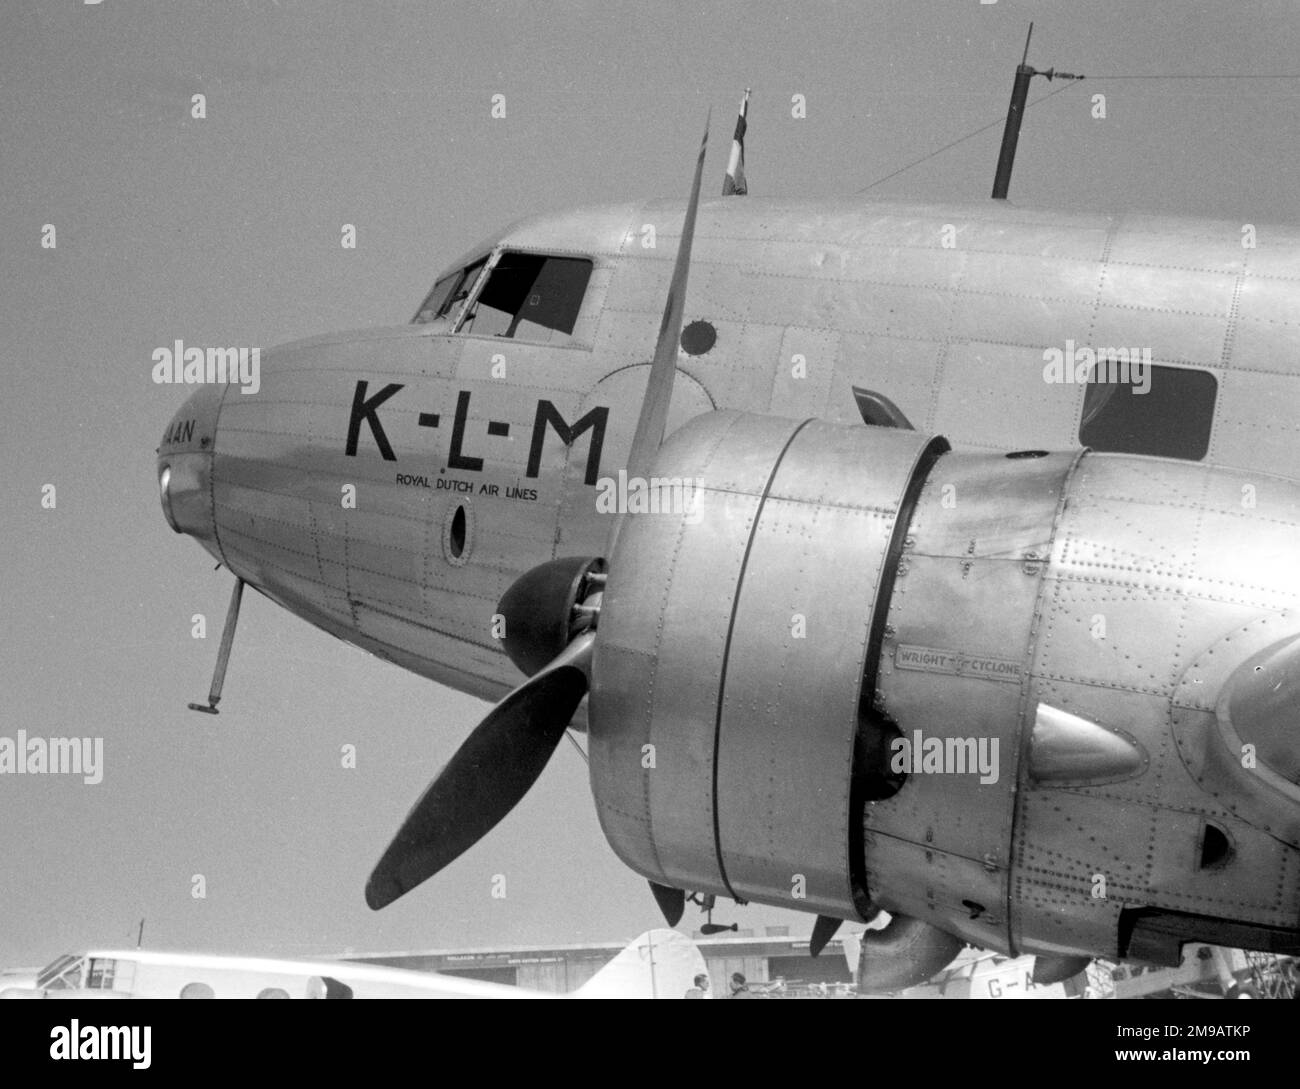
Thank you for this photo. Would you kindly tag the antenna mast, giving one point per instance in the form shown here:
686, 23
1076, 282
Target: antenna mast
1015, 114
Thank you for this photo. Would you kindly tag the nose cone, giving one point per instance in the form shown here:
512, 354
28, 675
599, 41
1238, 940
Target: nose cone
185, 464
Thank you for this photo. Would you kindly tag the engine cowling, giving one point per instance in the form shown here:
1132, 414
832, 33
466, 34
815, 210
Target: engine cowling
830, 592
734, 638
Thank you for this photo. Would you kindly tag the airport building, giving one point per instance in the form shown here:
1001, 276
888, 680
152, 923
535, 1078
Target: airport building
771, 962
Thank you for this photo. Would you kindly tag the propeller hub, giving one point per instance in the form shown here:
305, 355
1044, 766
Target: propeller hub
544, 609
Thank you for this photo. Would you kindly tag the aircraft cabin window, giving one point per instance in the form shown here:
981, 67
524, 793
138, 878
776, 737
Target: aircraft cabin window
1166, 413
452, 289
530, 296
197, 990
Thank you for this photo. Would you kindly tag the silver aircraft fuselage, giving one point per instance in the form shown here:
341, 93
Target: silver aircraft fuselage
388, 485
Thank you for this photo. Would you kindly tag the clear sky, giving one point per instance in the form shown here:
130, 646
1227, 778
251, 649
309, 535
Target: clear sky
226, 231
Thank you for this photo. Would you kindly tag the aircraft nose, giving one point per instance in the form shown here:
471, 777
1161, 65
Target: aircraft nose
185, 464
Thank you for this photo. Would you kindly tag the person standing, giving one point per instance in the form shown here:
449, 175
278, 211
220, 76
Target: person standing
701, 988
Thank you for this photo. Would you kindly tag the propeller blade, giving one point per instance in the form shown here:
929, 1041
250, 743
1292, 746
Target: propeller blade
672, 902
486, 778
653, 420
659, 390
823, 931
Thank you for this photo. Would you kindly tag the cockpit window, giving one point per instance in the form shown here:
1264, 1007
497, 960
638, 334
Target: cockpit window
526, 296
74, 972
531, 297
63, 975
448, 293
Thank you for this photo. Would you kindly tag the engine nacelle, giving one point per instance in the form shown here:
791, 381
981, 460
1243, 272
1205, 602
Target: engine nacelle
733, 640
780, 659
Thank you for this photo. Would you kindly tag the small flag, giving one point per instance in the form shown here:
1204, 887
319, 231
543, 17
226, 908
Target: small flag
734, 183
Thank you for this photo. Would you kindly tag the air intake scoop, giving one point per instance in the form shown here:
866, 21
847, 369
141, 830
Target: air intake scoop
1261, 706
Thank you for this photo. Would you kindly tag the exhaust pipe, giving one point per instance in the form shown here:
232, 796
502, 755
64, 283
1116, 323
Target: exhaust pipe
906, 952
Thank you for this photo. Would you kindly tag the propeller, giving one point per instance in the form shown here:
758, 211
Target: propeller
545, 608
672, 902
823, 931
550, 614
489, 774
